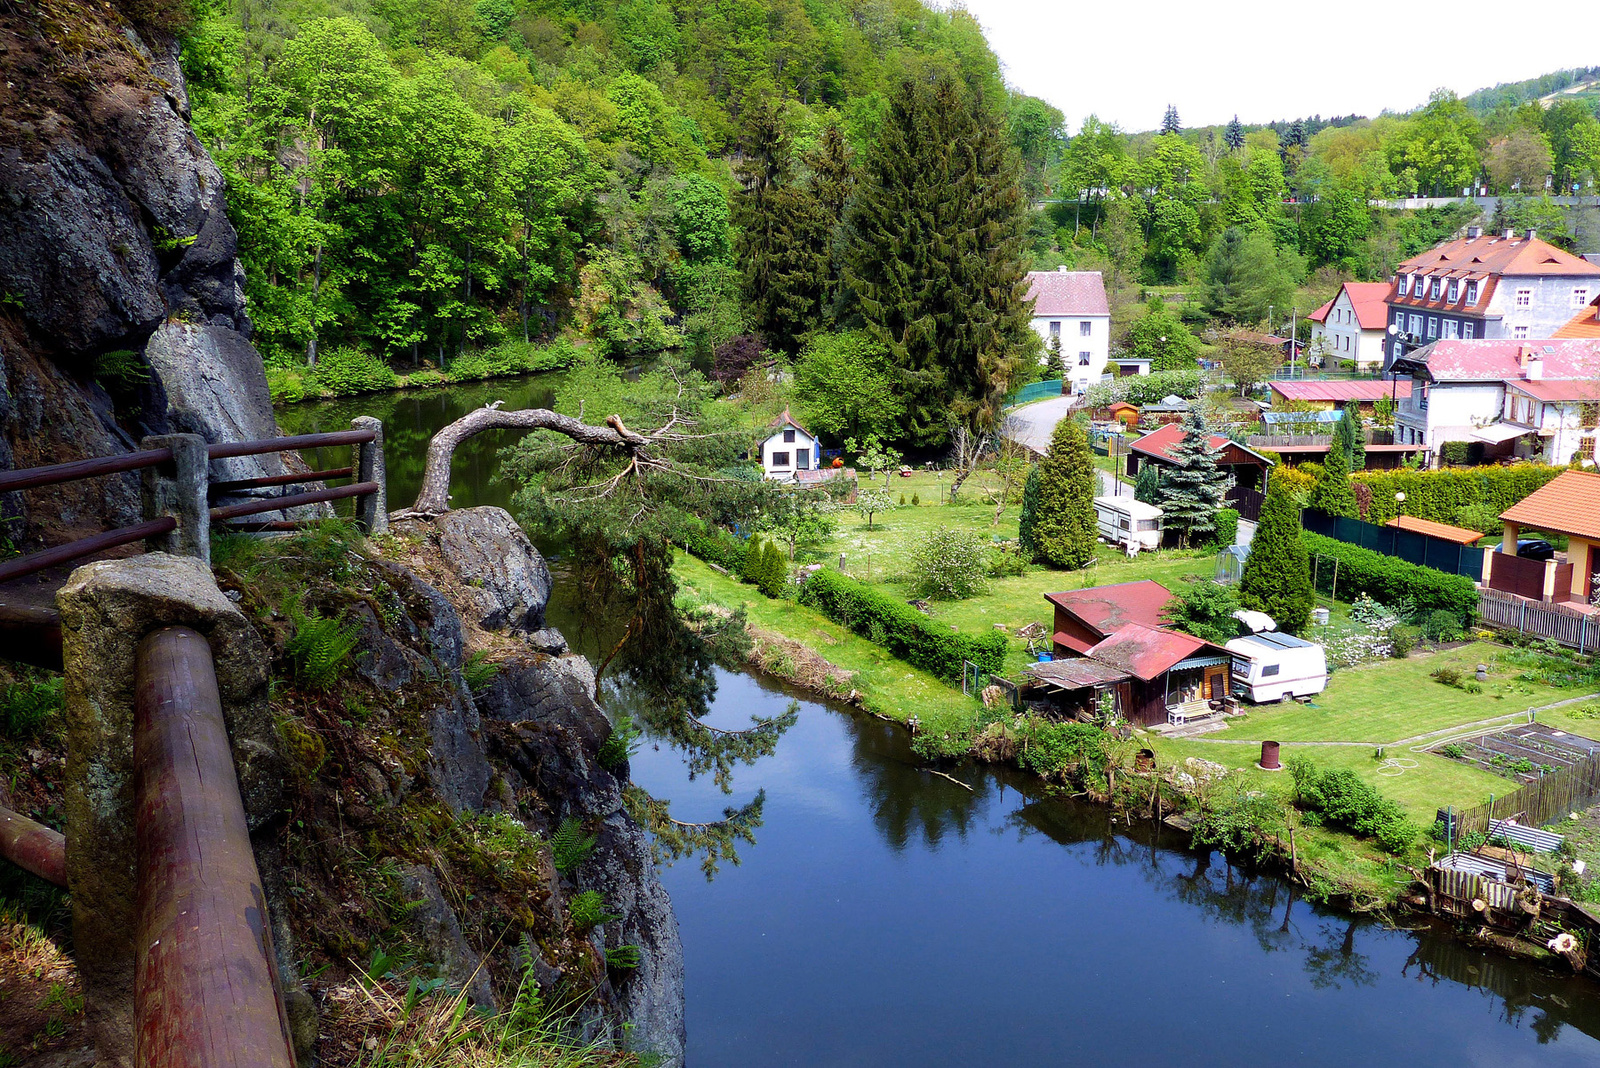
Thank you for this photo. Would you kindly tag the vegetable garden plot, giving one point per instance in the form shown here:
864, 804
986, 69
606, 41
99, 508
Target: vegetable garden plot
1524, 753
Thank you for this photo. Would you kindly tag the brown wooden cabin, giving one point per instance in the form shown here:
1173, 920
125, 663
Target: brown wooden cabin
1248, 467
1152, 673
1085, 618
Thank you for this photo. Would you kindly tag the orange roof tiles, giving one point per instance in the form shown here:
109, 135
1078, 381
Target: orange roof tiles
1569, 504
1585, 324
1105, 608
1459, 535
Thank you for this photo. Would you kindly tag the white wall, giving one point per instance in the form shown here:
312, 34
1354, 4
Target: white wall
1552, 304
1452, 409
775, 443
1073, 342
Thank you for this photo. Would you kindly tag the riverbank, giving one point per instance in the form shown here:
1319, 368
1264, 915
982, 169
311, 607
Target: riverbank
346, 372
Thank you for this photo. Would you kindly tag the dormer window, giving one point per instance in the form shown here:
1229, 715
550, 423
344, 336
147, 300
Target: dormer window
1455, 290
1433, 290
1472, 291
1402, 284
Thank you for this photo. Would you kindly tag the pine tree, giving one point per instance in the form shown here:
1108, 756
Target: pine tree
1192, 487
1234, 136
832, 183
1277, 573
1066, 526
1028, 521
935, 260
1169, 121
1332, 493
1147, 484
783, 237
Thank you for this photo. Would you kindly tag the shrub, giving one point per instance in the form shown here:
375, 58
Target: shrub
1444, 625
1227, 525
26, 706
1447, 676
916, 500
320, 647
949, 564
1007, 561
1389, 579
713, 545
901, 629
344, 371
774, 570
1403, 639
286, 384
1056, 748
511, 358
1454, 453
1453, 751
1344, 799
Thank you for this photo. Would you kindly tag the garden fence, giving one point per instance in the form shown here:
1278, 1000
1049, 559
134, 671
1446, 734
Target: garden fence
974, 680
1034, 391
1572, 629
1548, 798
1407, 545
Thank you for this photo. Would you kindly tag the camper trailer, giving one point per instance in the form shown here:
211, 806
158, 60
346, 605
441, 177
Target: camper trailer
1132, 524
1275, 667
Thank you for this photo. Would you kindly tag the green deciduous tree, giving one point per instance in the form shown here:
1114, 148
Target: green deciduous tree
1192, 485
1277, 573
935, 259
1204, 609
844, 385
1160, 337
1245, 275
1065, 528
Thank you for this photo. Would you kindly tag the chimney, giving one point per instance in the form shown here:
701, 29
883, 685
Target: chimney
1533, 370
1506, 234
1062, 269
1474, 232
1532, 234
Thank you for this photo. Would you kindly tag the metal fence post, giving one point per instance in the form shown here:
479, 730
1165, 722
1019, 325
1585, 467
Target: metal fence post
372, 510
179, 490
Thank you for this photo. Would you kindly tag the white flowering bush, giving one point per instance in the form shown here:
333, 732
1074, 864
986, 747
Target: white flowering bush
1357, 647
949, 565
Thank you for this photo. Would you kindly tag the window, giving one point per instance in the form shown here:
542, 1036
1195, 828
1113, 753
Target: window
788, 436
1524, 298
1466, 329
1433, 326
1416, 325
1085, 328
1451, 327
1149, 524
802, 459
1270, 670
1586, 447
1472, 292
1402, 284
1589, 414
780, 459
1580, 296
1519, 331
1400, 320
1055, 329
1422, 396
1083, 359
1455, 290
1433, 290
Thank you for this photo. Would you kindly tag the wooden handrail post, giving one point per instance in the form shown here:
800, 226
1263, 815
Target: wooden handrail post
372, 510
179, 489
205, 983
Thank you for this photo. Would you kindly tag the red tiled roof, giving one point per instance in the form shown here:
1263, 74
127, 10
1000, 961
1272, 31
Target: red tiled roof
1067, 293
1339, 392
1568, 504
1500, 359
1160, 441
1105, 608
1148, 652
1321, 314
1560, 389
1585, 324
1370, 302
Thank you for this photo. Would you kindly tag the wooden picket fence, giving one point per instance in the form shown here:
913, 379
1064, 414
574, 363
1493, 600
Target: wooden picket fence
1551, 797
1573, 629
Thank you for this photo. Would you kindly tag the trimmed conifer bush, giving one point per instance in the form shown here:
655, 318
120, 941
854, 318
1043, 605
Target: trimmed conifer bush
1028, 520
1065, 525
1332, 493
1277, 573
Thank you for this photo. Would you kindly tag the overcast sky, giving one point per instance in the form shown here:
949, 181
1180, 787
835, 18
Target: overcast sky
1125, 60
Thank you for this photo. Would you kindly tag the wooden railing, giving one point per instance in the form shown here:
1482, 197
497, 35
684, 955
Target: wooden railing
159, 463
1543, 620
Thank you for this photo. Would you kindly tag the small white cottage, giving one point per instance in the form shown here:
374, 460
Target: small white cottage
788, 449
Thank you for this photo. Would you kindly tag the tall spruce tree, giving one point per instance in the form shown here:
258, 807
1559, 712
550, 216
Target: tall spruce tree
1234, 135
832, 183
1332, 493
1277, 573
1066, 527
783, 238
1028, 520
935, 257
1193, 486
1147, 484
1169, 121
1349, 432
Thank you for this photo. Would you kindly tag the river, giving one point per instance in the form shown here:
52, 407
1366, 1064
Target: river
886, 916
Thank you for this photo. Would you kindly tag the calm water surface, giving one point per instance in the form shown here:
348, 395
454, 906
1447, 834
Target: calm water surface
889, 917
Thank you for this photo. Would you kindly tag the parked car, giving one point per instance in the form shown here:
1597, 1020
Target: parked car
1276, 667
1535, 549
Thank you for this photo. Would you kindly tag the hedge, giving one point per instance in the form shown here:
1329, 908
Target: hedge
1438, 495
1227, 527
898, 627
1388, 579
713, 545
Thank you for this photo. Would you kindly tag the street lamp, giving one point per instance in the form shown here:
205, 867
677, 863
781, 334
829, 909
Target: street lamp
1400, 502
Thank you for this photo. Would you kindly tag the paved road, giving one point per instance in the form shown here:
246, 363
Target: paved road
1032, 424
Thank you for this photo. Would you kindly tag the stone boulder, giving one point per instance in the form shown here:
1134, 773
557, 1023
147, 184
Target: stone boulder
504, 577
435, 935
215, 386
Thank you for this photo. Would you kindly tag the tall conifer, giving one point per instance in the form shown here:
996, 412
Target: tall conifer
1332, 493
1192, 486
783, 239
1277, 573
935, 256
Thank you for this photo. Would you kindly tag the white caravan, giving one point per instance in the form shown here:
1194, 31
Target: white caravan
1275, 667
1132, 524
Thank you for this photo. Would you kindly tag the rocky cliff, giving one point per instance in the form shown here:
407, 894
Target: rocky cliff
122, 306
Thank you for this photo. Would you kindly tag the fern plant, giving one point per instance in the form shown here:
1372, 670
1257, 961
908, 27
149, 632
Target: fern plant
570, 846
477, 671
621, 744
588, 911
320, 648
624, 957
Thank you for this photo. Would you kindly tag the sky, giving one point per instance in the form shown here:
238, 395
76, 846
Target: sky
1125, 60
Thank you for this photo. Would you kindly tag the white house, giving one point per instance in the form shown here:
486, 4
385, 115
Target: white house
1070, 308
788, 449
1351, 326
1534, 399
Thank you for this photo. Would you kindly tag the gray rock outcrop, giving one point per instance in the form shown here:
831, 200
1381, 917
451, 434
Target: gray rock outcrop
508, 582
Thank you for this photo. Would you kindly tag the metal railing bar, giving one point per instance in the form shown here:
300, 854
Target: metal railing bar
74, 550
293, 500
